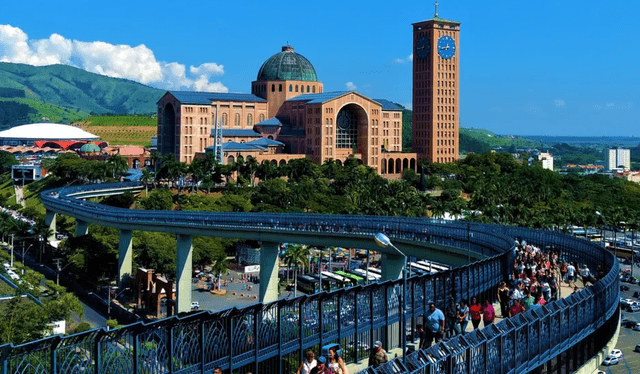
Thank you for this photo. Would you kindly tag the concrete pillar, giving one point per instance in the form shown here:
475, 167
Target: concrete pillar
82, 228
391, 266
269, 265
125, 258
50, 221
184, 272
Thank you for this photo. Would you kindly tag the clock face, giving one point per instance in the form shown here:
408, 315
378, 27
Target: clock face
423, 47
446, 47
343, 121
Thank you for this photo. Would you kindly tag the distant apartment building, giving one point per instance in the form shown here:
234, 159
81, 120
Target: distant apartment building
547, 160
617, 159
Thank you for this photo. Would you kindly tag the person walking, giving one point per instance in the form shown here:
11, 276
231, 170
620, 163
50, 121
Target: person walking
335, 362
378, 355
308, 364
321, 368
434, 325
503, 298
463, 316
516, 308
488, 313
475, 308
451, 317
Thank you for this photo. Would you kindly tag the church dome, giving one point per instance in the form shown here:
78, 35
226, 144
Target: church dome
287, 65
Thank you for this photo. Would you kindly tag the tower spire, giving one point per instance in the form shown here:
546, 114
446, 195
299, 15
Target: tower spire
436, 4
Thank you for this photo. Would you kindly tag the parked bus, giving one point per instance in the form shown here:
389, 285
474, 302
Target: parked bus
355, 280
339, 279
307, 284
363, 273
434, 267
328, 284
375, 271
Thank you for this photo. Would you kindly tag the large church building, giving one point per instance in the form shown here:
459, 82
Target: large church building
288, 115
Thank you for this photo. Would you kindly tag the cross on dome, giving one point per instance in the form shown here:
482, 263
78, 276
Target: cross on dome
436, 4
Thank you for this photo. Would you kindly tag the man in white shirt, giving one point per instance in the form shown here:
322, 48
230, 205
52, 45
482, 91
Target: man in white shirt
571, 274
585, 274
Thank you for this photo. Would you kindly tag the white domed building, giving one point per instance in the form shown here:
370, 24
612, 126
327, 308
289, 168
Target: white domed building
53, 135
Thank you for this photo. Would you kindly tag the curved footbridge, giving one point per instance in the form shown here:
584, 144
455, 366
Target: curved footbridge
271, 336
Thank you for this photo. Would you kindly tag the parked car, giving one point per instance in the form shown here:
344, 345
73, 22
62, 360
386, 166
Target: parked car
637, 348
195, 305
625, 288
616, 353
636, 327
625, 322
610, 361
635, 280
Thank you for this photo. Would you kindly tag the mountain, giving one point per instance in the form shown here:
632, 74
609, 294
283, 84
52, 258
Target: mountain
68, 93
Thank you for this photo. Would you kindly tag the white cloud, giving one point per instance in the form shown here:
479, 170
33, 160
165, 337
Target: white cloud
402, 60
207, 69
559, 103
351, 86
119, 61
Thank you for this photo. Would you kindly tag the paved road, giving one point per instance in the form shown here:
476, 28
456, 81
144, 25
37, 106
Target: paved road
628, 338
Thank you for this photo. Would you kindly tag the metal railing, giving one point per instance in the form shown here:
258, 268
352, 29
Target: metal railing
271, 338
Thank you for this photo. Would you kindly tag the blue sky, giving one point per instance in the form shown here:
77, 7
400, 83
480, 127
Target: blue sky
545, 67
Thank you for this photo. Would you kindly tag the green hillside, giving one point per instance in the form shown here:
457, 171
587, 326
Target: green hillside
76, 91
471, 140
18, 111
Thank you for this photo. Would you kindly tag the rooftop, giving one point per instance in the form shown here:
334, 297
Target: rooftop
47, 131
287, 65
191, 97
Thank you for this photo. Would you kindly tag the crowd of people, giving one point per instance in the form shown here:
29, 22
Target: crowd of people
535, 280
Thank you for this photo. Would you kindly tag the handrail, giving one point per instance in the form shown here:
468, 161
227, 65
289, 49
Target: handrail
276, 333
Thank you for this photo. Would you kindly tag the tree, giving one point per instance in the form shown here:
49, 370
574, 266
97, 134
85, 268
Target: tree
146, 178
220, 266
116, 165
297, 255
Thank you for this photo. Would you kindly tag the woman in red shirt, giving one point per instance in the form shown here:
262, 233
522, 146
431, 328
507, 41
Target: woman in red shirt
475, 309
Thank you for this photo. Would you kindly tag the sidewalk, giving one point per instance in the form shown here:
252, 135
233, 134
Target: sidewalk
565, 291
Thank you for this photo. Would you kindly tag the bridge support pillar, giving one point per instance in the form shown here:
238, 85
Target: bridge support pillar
184, 272
269, 265
50, 221
125, 257
392, 265
82, 228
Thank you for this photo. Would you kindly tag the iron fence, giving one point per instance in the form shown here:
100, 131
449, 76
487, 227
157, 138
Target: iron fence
271, 338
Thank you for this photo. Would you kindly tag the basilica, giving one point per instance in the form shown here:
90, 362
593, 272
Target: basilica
288, 115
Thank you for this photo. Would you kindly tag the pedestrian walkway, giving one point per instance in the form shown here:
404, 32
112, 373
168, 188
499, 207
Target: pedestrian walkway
564, 290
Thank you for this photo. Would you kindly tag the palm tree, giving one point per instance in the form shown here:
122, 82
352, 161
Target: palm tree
146, 178
117, 165
297, 255
220, 266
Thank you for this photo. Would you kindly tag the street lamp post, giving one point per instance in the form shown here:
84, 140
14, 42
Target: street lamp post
383, 241
604, 224
115, 297
12, 250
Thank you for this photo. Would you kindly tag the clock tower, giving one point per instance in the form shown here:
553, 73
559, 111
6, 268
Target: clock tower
436, 78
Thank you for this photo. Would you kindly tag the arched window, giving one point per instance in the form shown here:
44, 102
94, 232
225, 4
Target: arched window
261, 117
223, 121
313, 89
249, 120
280, 88
308, 88
290, 88
273, 88
296, 88
237, 119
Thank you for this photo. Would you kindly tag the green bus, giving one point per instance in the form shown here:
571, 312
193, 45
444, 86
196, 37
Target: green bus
355, 279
